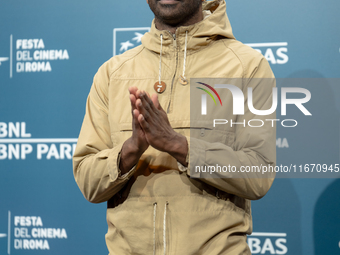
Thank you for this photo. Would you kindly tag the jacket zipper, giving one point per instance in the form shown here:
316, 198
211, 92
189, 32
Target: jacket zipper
174, 76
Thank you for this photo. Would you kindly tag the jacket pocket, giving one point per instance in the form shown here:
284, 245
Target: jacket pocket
213, 136
204, 130
121, 133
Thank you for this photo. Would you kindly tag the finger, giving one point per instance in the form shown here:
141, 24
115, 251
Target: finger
154, 99
147, 102
143, 123
156, 102
133, 102
136, 113
138, 92
143, 109
133, 90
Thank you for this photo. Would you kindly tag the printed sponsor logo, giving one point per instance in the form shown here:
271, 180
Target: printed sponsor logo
17, 144
2, 59
30, 233
31, 55
274, 52
127, 38
6, 58
5, 237
267, 243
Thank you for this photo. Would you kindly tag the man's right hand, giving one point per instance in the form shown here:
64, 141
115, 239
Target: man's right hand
134, 147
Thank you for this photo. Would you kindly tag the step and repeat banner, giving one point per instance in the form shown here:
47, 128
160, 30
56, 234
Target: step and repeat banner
49, 53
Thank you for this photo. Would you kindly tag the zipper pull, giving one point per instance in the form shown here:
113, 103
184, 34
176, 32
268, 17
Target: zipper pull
175, 41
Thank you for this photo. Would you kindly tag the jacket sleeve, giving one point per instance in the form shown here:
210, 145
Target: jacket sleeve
252, 146
95, 161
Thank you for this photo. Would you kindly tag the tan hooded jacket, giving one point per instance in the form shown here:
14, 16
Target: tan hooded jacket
157, 208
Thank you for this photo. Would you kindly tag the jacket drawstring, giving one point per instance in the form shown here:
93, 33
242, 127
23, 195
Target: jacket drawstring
183, 80
160, 63
164, 228
154, 227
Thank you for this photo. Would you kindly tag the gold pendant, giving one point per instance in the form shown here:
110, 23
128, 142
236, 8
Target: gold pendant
183, 80
160, 87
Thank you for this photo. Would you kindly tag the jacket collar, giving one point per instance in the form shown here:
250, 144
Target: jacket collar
215, 25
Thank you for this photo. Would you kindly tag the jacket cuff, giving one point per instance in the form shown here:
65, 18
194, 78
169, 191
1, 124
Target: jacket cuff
195, 157
113, 165
127, 175
181, 167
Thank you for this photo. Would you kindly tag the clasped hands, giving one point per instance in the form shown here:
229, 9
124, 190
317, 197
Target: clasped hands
150, 127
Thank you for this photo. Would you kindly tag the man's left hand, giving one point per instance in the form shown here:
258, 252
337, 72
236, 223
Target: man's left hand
158, 131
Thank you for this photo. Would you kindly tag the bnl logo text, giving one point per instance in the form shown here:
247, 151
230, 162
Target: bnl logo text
238, 99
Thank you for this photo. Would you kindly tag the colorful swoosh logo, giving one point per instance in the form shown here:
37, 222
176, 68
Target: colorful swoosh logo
212, 89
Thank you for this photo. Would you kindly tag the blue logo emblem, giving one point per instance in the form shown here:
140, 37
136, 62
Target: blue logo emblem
127, 38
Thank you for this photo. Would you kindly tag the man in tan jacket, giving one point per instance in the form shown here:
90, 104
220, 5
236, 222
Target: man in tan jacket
139, 145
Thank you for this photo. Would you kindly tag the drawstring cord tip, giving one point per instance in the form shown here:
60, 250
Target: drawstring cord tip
183, 80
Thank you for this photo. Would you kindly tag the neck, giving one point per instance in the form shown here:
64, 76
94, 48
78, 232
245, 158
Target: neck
172, 26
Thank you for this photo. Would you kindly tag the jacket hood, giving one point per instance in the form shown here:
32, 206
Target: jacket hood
214, 25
